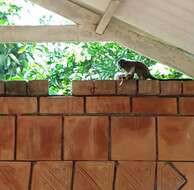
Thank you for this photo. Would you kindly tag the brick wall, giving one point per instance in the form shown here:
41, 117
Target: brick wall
139, 136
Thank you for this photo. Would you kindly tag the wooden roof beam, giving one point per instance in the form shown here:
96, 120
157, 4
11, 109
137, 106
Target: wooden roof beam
11, 34
112, 7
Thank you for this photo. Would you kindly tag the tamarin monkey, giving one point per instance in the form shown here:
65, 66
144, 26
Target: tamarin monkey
135, 67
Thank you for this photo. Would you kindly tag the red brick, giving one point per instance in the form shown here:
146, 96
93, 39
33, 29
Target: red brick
171, 87
2, 88
104, 87
176, 138
14, 175
39, 138
94, 176
135, 176
94, 87
154, 105
188, 87
18, 105
133, 132
38, 88
7, 133
86, 138
61, 104
14, 88
149, 87
52, 175
129, 87
108, 104
187, 169
186, 105
83, 87
169, 177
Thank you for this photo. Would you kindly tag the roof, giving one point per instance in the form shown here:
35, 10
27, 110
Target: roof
169, 20
162, 30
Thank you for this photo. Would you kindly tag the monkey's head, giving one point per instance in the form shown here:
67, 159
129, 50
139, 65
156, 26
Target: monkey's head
123, 63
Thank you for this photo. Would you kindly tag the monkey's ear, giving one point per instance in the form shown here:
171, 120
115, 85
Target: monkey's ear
119, 59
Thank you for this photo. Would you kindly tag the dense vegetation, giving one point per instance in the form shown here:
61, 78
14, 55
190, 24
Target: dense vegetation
63, 62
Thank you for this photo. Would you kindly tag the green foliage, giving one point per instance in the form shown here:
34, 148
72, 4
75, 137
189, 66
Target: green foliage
63, 62
7, 12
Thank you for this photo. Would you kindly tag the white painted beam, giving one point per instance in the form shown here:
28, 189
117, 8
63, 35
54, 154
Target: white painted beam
69, 10
10, 34
38, 33
113, 5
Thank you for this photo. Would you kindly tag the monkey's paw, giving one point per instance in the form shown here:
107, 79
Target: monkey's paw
119, 76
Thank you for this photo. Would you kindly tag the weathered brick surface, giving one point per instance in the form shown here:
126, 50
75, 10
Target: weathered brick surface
86, 138
94, 175
94, 87
18, 105
176, 138
2, 87
38, 87
39, 138
83, 87
169, 177
188, 87
14, 88
105, 87
62, 104
171, 87
108, 104
133, 138
14, 175
154, 105
149, 87
186, 105
127, 88
7, 130
187, 170
135, 176
52, 175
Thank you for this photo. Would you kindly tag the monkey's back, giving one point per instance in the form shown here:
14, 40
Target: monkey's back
136, 67
140, 69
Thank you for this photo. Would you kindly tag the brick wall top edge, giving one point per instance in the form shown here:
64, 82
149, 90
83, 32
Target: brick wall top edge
37, 88
24, 88
140, 80
169, 87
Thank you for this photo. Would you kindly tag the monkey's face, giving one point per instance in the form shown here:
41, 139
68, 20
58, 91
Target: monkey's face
122, 63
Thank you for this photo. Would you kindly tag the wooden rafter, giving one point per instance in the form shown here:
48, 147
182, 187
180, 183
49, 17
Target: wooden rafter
113, 5
117, 31
48, 33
